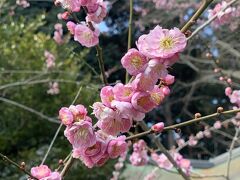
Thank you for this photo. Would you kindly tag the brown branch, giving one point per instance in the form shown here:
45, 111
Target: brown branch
67, 166
175, 126
5, 158
197, 14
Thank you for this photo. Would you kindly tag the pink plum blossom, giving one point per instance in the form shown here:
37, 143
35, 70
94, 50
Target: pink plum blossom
235, 97
143, 102
41, 171
71, 27
123, 92
162, 161
223, 17
169, 79
158, 127
139, 158
134, 62
53, 176
162, 43
53, 88
192, 141
217, 125
50, 59
94, 155
66, 116
99, 14
80, 134
185, 164
23, 3
200, 135
107, 95
228, 91
85, 36
79, 112
58, 33
117, 146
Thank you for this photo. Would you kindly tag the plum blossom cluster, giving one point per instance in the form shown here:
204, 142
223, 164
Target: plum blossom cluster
223, 17
163, 162
50, 60
53, 88
92, 148
139, 156
43, 172
96, 12
118, 166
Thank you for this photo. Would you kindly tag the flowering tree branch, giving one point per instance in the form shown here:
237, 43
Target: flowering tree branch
20, 167
197, 14
211, 19
164, 151
175, 126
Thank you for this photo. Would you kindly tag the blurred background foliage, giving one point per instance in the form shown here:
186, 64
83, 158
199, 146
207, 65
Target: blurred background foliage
25, 34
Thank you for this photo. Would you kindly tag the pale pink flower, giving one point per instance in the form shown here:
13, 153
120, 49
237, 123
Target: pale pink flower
200, 135
79, 112
139, 158
139, 146
80, 134
217, 125
157, 95
99, 14
185, 164
71, 27
107, 95
50, 59
166, 91
94, 155
112, 123
127, 111
180, 142
71, 5
99, 110
66, 116
41, 171
85, 36
162, 43
53, 88
158, 127
117, 147
123, 92
223, 17
192, 141
118, 166
235, 97
143, 102
163, 162
134, 62
151, 176
58, 33
207, 132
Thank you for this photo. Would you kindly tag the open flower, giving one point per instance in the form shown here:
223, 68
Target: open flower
106, 95
162, 43
117, 147
85, 36
134, 62
122, 92
41, 171
80, 134
66, 116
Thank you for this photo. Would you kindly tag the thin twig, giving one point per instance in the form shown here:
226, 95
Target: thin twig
59, 128
230, 153
67, 166
43, 116
197, 14
5, 158
164, 151
211, 19
195, 120
129, 32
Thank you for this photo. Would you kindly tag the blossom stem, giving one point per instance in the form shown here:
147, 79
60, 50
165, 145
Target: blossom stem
99, 53
129, 31
5, 158
197, 14
211, 19
230, 152
195, 120
67, 166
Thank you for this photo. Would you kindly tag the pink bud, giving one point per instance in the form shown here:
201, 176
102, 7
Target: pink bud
166, 91
229, 80
228, 91
71, 27
158, 127
217, 125
221, 78
65, 15
169, 79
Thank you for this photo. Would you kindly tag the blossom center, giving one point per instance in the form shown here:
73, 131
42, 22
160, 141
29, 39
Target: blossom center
136, 61
167, 43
